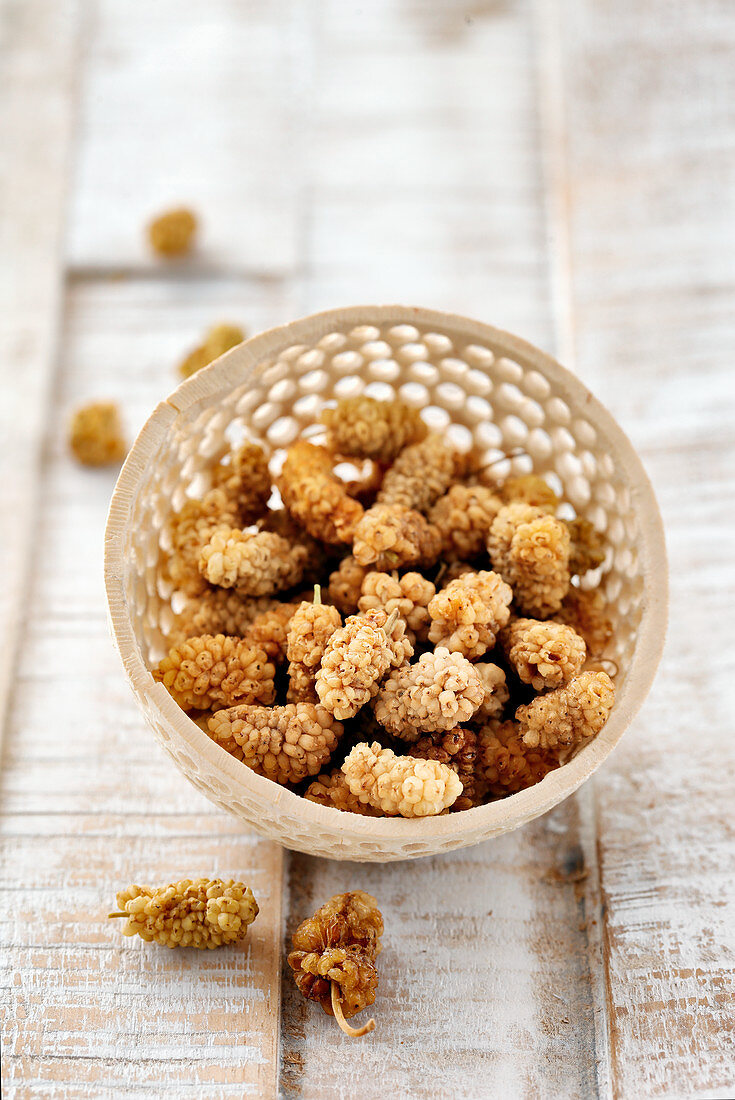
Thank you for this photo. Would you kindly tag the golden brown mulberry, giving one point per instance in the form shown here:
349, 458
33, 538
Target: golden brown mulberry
285, 744
409, 596
310, 629
420, 475
269, 629
530, 549
192, 913
389, 536
588, 547
333, 956
315, 497
172, 233
345, 585
464, 516
372, 429
441, 691
254, 563
586, 611
218, 340
544, 654
357, 657
457, 749
568, 714
216, 670
400, 784
332, 790
504, 764
467, 615
96, 434
220, 611
247, 480
496, 692
530, 489
190, 530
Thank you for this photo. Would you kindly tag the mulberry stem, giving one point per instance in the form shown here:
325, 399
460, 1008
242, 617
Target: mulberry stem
390, 622
109, 915
353, 1032
317, 595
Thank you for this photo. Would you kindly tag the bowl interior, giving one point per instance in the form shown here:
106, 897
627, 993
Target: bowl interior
488, 392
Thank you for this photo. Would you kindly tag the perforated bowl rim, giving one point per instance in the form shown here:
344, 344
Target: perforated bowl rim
346, 830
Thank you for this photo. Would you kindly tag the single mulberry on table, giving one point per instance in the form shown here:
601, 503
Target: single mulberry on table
286, 743
198, 912
544, 654
310, 629
315, 497
504, 764
254, 563
441, 691
368, 428
172, 233
464, 516
390, 536
568, 715
409, 595
530, 550
333, 957
96, 434
467, 615
420, 475
357, 657
214, 670
457, 749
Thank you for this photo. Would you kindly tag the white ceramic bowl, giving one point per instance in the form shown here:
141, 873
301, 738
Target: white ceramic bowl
485, 388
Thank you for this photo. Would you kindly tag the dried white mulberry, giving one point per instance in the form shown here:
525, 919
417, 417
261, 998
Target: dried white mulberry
409, 595
315, 497
568, 714
285, 744
467, 615
544, 654
420, 475
530, 550
441, 691
310, 629
400, 784
504, 764
192, 913
357, 657
214, 670
254, 563
389, 536
464, 516
374, 429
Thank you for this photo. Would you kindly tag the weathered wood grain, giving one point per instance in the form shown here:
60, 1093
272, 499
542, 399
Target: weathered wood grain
39, 41
646, 173
90, 803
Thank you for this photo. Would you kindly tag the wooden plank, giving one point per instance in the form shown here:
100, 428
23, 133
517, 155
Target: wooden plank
37, 80
195, 111
485, 983
645, 168
90, 803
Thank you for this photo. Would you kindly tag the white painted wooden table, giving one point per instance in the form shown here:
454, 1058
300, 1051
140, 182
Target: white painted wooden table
565, 170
